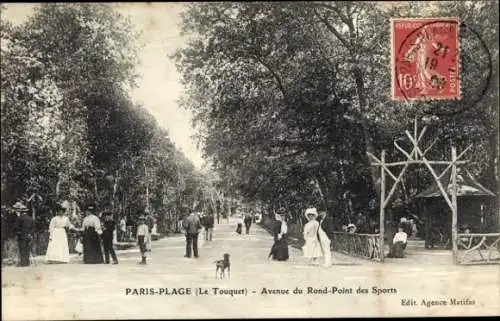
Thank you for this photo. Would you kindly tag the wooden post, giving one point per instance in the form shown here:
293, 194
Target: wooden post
382, 208
454, 205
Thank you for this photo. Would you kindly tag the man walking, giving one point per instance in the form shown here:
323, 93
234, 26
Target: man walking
209, 227
192, 227
248, 222
25, 226
107, 237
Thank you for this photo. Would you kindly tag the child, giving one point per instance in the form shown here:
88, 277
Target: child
142, 234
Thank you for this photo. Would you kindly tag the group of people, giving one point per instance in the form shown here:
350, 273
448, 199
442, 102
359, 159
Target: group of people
192, 226
93, 232
248, 219
95, 237
316, 235
96, 230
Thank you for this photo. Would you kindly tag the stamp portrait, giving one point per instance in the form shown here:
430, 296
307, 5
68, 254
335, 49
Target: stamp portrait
425, 58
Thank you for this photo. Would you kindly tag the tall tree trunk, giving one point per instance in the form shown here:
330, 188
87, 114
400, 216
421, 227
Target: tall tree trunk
368, 140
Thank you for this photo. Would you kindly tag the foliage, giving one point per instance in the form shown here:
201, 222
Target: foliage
289, 97
71, 132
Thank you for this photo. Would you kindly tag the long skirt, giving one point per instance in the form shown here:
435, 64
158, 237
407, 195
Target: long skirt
58, 249
148, 242
325, 243
397, 250
279, 251
92, 252
312, 248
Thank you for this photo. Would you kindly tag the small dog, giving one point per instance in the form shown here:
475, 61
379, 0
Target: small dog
222, 265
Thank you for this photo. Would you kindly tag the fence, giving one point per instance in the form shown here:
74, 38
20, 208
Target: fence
359, 245
478, 248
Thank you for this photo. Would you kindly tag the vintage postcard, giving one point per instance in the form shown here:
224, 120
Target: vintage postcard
250, 160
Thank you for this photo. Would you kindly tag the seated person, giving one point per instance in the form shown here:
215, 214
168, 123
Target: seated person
398, 243
466, 241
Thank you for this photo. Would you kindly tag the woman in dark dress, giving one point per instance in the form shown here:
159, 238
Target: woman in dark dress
92, 252
279, 251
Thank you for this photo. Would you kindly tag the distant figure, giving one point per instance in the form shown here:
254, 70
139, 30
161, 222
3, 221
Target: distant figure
154, 230
58, 249
150, 223
239, 226
122, 229
24, 227
414, 229
192, 227
92, 253
209, 227
142, 234
130, 227
248, 222
398, 244
361, 223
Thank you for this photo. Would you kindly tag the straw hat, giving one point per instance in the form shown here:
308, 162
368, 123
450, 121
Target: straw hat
20, 207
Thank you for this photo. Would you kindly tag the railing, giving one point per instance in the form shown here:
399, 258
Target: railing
478, 248
365, 246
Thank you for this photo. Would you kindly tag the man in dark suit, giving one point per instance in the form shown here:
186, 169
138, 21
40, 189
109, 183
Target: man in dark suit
192, 226
24, 228
109, 225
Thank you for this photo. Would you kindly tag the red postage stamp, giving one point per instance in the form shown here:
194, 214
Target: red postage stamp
425, 58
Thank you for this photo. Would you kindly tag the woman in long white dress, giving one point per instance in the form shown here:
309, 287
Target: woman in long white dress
58, 249
312, 247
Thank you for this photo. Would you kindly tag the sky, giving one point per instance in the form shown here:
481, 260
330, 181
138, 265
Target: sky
159, 87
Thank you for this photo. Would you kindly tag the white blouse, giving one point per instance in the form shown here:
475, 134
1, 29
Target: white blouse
59, 222
92, 221
400, 237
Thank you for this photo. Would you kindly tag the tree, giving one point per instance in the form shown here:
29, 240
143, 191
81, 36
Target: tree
273, 87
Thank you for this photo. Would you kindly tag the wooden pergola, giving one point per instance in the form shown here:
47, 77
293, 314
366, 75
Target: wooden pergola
417, 156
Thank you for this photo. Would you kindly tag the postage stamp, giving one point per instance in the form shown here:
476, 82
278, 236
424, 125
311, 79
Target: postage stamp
425, 59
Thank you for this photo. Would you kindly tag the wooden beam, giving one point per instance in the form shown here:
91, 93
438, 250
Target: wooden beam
382, 209
402, 150
432, 144
454, 210
400, 176
433, 173
457, 162
418, 162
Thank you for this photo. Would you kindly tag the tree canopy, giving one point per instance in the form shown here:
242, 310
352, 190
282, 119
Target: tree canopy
289, 97
71, 131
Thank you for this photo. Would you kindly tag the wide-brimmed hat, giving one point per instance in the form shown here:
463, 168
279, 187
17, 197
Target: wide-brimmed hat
65, 204
281, 212
351, 226
20, 207
142, 218
312, 211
